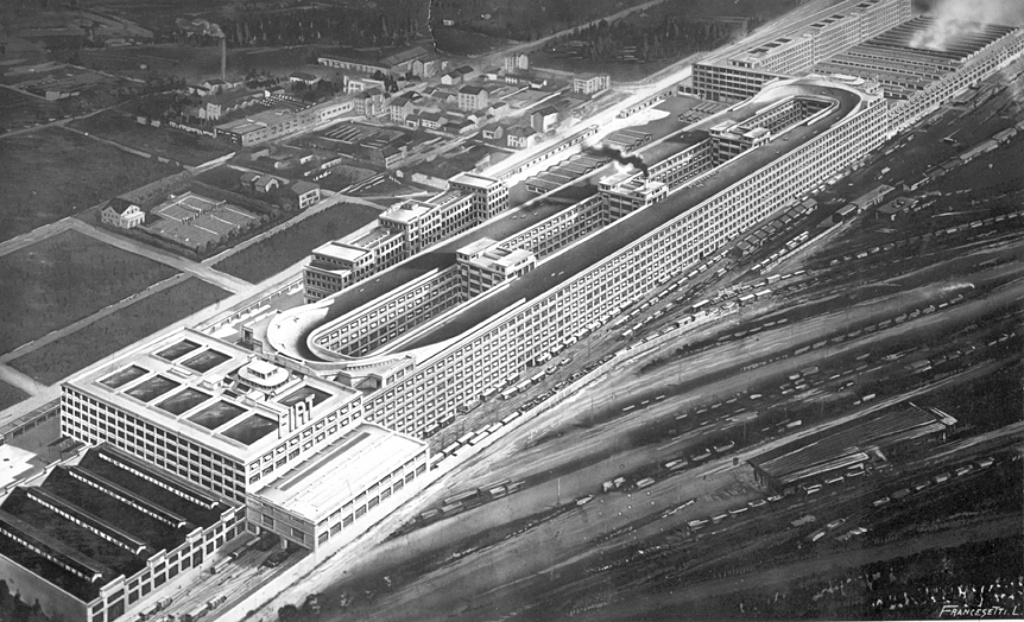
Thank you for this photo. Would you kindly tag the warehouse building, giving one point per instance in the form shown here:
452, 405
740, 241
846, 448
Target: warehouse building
104, 533
335, 494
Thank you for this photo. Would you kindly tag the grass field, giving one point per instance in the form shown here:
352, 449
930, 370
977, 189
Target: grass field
197, 63
279, 251
52, 173
18, 110
67, 355
9, 396
65, 278
189, 149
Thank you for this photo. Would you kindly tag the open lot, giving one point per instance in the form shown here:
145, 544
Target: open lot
284, 248
52, 173
197, 63
165, 142
9, 396
65, 278
63, 357
19, 110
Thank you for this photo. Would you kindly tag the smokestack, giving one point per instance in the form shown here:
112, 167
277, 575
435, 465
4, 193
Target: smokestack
621, 158
223, 59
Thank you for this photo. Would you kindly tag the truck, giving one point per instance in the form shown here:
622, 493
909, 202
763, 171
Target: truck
644, 483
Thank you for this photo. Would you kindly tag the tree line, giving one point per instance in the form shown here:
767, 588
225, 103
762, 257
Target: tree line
669, 39
349, 26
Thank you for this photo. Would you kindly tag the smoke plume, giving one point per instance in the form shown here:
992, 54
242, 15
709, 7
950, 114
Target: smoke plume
613, 153
954, 18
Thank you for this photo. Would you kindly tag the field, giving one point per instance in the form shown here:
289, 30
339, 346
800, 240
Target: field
65, 278
285, 248
18, 110
9, 396
197, 63
189, 149
343, 176
67, 355
52, 173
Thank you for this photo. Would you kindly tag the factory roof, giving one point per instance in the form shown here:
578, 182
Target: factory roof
341, 471
562, 267
208, 391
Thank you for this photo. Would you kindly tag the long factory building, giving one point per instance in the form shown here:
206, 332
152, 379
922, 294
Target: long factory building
437, 332
739, 76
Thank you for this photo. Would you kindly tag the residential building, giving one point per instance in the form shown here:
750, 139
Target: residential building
591, 83
516, 62
521, 137
122, 214
472, 97
304, 193
544, 120
399, 109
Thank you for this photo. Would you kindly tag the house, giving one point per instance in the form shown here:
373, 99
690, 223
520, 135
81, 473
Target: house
499, 110
412, 121
364, 84
472, 97
304, 193
516, 62
265, 184
493, 131
590, 83
399, 109
426, 67
432, 120
460, 126
122, 214
249, 179
452, 77
370, 102
305, 78
467, 72
521, 137
544, 119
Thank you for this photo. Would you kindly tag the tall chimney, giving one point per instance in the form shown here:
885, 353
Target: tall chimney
223, 59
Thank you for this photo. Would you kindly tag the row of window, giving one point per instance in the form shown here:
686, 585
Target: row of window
658, 254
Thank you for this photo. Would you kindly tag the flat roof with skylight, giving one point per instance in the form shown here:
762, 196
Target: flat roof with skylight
211, 392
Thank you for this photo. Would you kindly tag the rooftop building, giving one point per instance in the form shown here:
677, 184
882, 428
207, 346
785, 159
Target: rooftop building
339, 490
